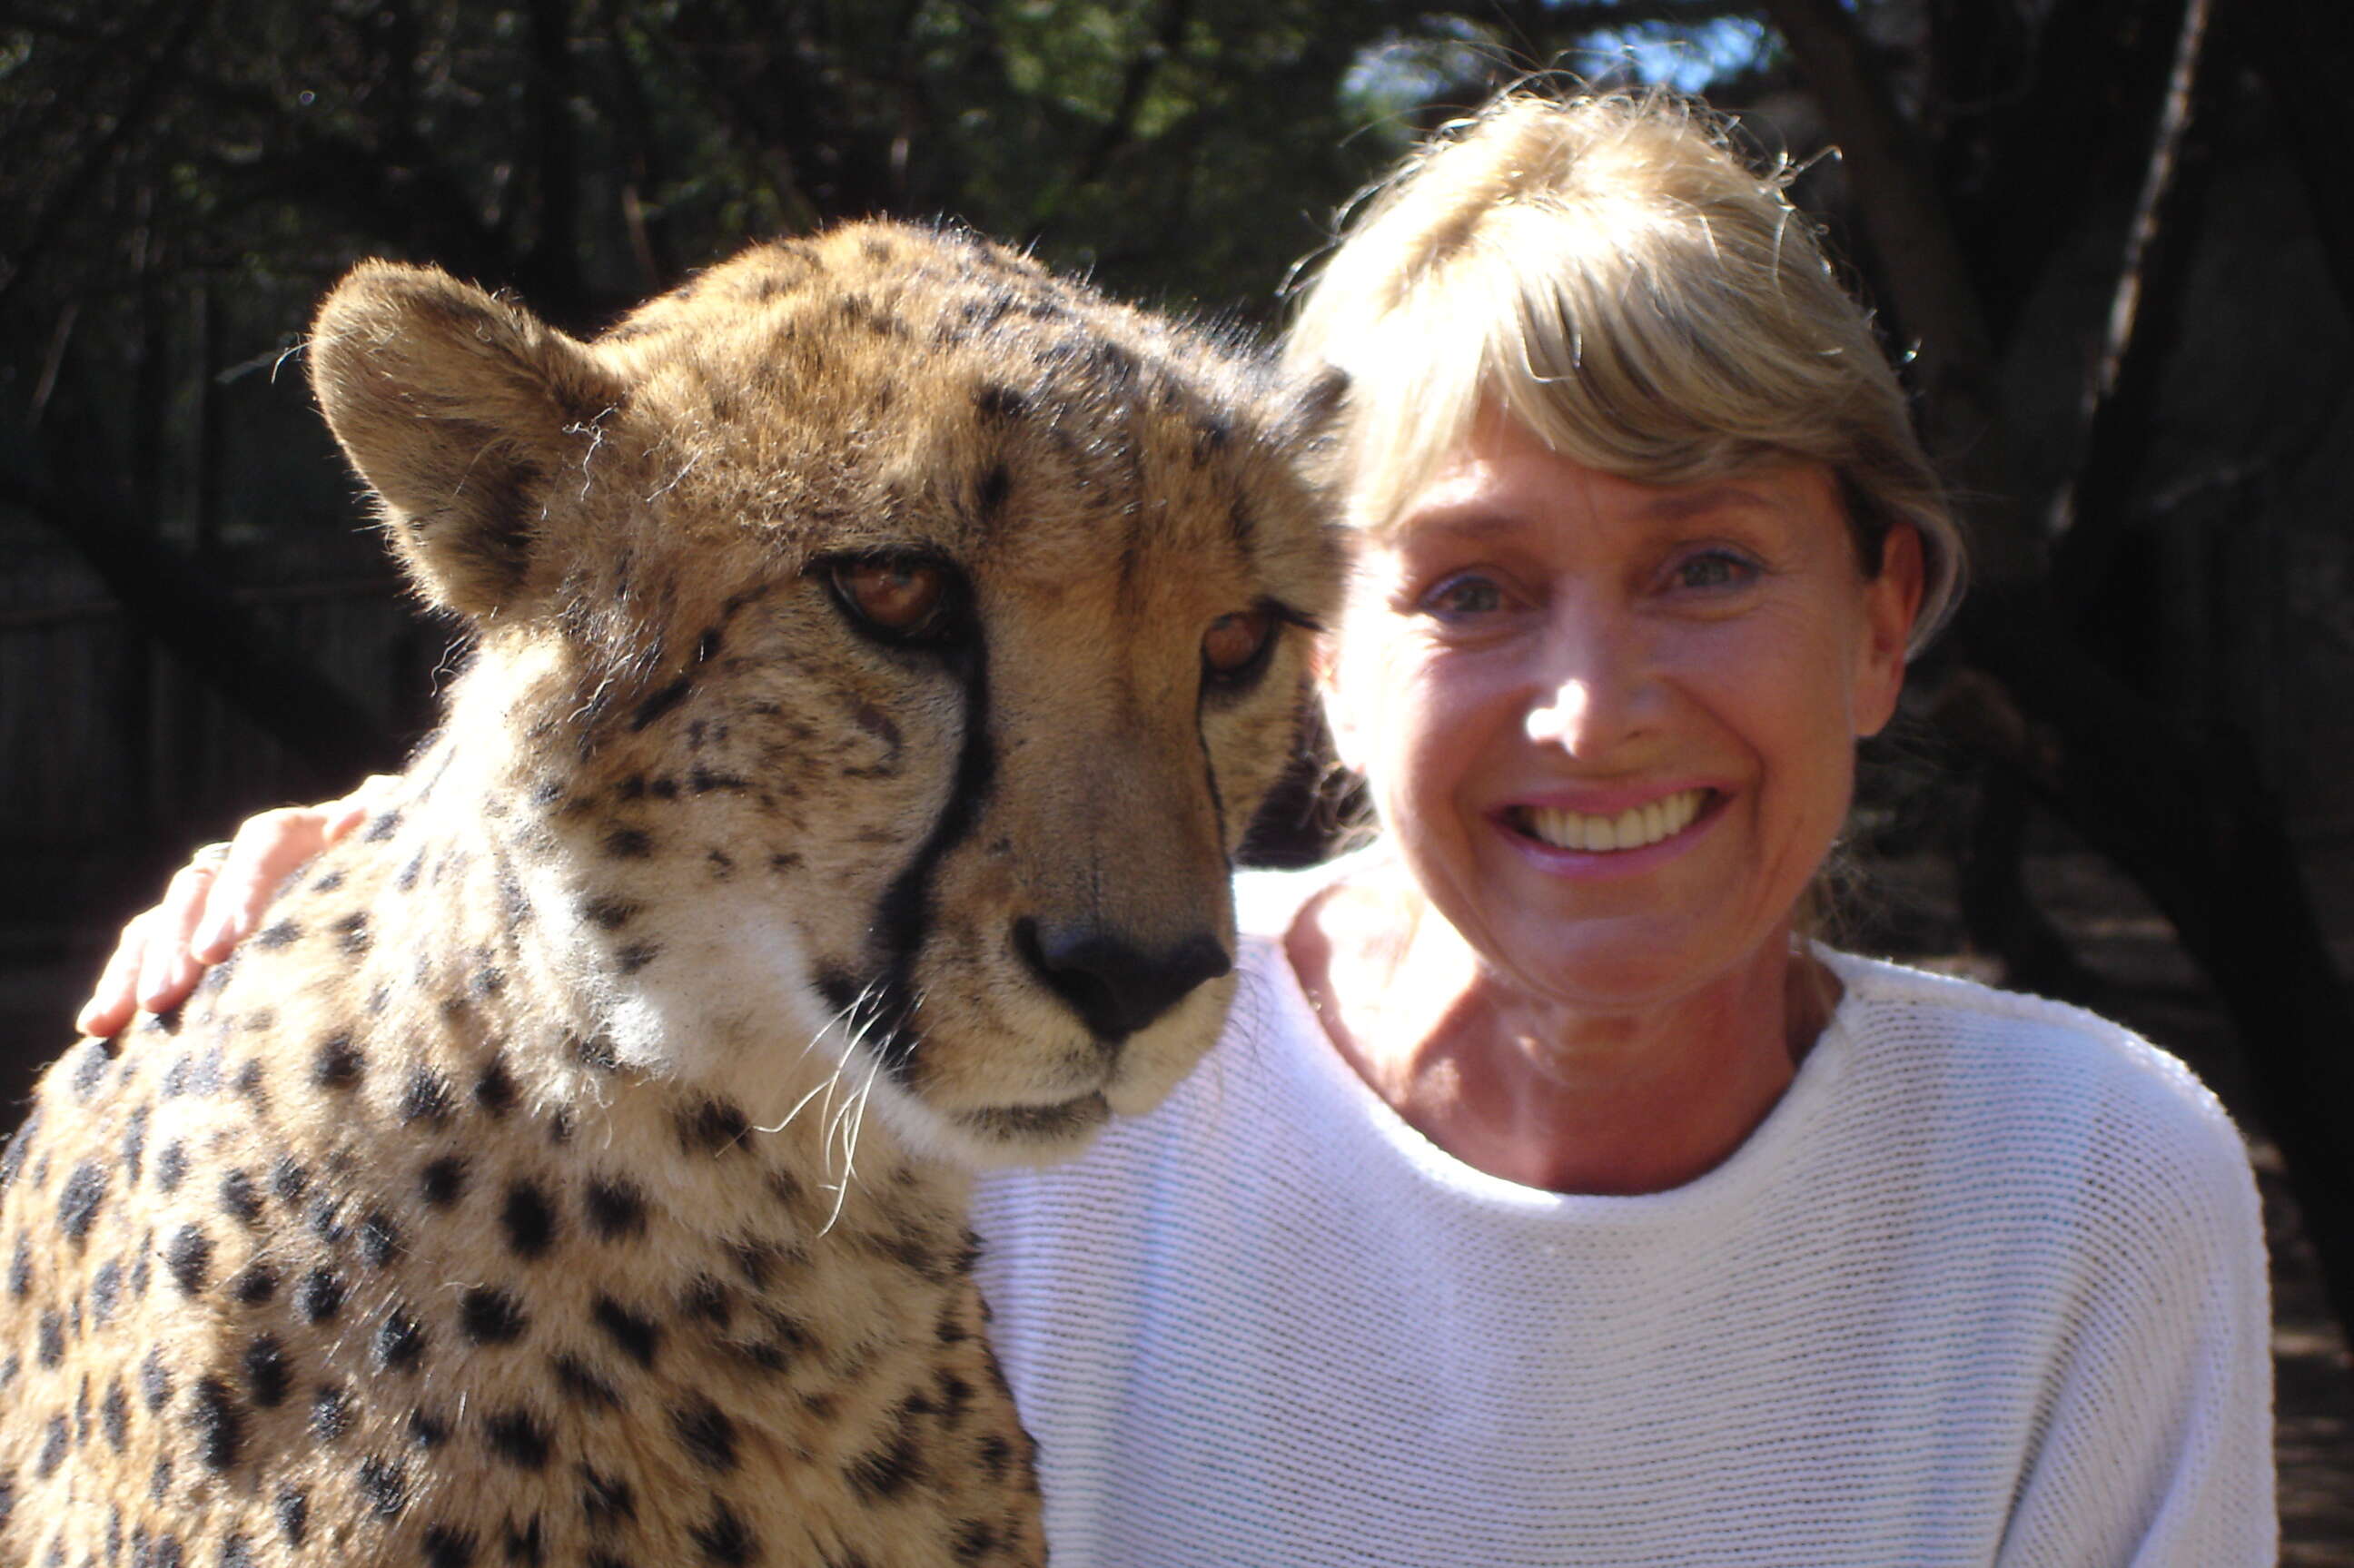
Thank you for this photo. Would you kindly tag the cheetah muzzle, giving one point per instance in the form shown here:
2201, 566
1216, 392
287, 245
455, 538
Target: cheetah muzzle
879, 648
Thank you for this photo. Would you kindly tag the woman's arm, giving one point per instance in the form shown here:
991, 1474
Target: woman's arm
212, 904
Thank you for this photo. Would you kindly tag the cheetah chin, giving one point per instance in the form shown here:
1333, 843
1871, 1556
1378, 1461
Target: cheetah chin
879, 647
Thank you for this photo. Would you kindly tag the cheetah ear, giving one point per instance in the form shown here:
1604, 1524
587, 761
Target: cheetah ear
459, 410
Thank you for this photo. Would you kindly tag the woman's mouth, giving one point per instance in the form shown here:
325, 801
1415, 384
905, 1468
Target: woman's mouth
1637, 827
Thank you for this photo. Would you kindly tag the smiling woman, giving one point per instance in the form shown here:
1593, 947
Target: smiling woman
1550, 1200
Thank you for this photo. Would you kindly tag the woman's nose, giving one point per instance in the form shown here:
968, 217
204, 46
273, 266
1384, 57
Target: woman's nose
1591, 696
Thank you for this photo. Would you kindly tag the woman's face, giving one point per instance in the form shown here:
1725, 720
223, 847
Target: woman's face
1610, 726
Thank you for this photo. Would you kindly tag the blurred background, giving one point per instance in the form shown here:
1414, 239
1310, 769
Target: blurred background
2108, 239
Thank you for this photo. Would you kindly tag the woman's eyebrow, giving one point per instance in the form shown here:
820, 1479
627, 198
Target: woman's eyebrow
1673, 506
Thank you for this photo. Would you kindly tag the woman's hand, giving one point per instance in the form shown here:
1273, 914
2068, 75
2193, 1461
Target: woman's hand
213, 903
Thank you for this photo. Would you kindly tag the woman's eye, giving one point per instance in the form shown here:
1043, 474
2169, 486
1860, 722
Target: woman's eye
1464, 596
1714, 569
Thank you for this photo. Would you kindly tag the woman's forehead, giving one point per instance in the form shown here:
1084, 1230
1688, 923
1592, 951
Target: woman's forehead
1505, 480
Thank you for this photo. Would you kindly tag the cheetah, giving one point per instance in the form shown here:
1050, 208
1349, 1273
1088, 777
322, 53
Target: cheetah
879, 645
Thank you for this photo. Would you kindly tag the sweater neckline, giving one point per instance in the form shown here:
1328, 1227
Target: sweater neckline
1334, 1093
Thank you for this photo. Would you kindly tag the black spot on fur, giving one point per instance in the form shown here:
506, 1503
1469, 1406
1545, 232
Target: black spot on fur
999, 402
189, 1257
529, 1219
49, 1340
91, 1064
294, 1510
636, 956
704, 1431
337, 1064
12, 1158
711, 1126
217, 1421
522, 1544
240, 1199
605, 1500
726, 1539
425, 1097
289, 1180
628, 844
494, 1091
331, 1413
597, 1053
638, 1336
609, 914
351, 933
53, 1449
171, 1167
662, 702
440, 1183
754, 1261
134, 1143
105, 1291
992, 495
78, 1200
489, 1316
319, 1295
448, 1547
20, 1268
382, 828
114, 1414
615, 1207
268, 1373
427, 1431
518, 1438
399, 1342
154, 1383
254, 1285
281, 933
383, 1485
379, 1239
580, 1382
706, 1299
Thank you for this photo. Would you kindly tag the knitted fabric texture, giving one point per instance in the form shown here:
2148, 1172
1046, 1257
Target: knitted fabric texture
1985, 1287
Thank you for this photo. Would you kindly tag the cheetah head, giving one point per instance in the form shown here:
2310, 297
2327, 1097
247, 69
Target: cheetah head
881, 648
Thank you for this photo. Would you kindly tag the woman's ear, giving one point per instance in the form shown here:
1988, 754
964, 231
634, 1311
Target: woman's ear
1891, 605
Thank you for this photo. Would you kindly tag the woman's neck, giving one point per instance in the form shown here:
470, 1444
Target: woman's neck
1538, 1091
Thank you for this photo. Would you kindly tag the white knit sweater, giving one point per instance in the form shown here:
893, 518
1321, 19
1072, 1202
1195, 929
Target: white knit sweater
1987, 1287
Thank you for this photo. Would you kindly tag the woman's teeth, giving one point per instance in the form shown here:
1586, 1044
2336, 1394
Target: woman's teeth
1631, 828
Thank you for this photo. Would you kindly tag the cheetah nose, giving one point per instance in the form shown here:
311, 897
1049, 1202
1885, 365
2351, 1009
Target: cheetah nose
1116, 987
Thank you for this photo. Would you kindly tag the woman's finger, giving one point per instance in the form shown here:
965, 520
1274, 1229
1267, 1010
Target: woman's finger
116, 996
167, 972
268, 849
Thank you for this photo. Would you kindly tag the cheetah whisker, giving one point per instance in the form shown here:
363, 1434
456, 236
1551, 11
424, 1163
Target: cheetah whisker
843, 1016
853, 1123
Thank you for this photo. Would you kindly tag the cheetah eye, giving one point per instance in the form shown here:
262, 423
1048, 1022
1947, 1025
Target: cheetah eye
900, 598
1235, 646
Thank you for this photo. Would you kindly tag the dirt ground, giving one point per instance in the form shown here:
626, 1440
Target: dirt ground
2148, 986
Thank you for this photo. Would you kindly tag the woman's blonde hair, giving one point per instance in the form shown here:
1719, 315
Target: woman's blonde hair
1609, 273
